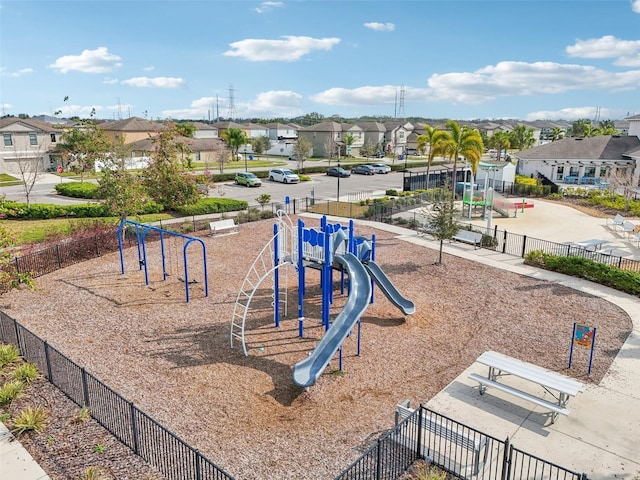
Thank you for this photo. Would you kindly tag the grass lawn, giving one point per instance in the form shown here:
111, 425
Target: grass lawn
7, 180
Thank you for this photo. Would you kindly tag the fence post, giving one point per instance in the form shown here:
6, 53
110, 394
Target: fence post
95, 241
524, 245
506, 460
419, 452
378, 460
46, 358
58, 256
85, 387
17, 265
198, 464
134, 428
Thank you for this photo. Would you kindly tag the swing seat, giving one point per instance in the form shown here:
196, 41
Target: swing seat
223, 226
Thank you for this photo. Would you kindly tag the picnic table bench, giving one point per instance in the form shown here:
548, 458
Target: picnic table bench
591, 245
472, 441
222, 226
560, 387
616, 222
469, 236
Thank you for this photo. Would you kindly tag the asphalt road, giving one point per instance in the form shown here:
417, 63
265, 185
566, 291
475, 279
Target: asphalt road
320, 187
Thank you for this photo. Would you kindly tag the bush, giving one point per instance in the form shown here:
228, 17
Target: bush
77, 189
213, 205
608, 275
392, 192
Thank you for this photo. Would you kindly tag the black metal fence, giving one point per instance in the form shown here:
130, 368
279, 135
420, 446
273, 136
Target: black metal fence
453, 447
170, 455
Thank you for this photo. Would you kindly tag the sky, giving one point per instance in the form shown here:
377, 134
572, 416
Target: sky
241, 59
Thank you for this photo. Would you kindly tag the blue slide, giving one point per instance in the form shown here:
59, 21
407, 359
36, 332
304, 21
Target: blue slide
306, 372
389, 289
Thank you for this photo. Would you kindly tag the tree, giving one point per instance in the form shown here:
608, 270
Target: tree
82, 145
436, 139
30, 166
441, 219
500, 141
260, 144
621, 179
369, 149
521, 137
263, 199
557, 134
185, 130
301, 150
330, 147
119, 187
580, 128
348, 140
166, 178
235, 138
464, 142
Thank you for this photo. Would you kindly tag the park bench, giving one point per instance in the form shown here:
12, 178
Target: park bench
628, 227
219, 226
469, 236
474, 442
560, 387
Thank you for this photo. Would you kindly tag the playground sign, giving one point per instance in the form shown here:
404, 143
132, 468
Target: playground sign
584, 336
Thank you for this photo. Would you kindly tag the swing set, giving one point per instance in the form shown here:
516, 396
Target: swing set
141, 231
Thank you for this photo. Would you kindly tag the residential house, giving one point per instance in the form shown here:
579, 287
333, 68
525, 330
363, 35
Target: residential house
282, 131
131, 129
582, 160
256, 129
373, 134
28, 145
204, 130
324, 137
395, 137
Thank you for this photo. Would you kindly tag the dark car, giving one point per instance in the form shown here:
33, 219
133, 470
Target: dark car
338, 172
363, 170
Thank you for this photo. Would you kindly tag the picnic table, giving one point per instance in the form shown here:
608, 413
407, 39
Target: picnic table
591, 245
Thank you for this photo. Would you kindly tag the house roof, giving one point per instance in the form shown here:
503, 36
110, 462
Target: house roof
195, 144
601, 147
203, 126
372, 126
327, 126
31, 122
133, 124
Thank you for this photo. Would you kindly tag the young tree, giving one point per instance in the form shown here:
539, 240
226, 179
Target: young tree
82, 145
166, 178
621, 180
522, 137
30, 167
330, 148
348, 140
260, 144
499, 141
263, 199
119, 187
435, 138
301, 151
441, 219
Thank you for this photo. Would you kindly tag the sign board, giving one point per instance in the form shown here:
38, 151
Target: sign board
583, 336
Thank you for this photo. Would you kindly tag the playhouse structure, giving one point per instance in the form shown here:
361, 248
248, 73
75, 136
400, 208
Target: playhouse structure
330, 248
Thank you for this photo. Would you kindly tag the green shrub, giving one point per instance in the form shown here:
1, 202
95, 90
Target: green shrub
26, 373
392, 192
213, 205
8, 354
10, 391
30, 419
608, 275
305, 178
77, 189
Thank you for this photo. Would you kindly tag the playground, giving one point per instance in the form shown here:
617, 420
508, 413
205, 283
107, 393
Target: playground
173, 358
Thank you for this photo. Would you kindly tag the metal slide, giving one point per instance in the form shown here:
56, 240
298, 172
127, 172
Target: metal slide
306, 372
389, 289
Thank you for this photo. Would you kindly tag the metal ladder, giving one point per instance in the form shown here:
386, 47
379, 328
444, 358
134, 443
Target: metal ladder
263, 267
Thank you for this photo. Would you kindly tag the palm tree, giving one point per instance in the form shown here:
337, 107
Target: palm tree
500, 141
557, 134
435, 138
465, 142
522, 137
235, 137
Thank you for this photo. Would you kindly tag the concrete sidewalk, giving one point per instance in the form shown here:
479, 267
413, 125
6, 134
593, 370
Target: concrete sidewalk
15, 462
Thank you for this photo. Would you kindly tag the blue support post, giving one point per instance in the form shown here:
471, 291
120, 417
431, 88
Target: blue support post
276, 277
325, 280
373, 259
300, 280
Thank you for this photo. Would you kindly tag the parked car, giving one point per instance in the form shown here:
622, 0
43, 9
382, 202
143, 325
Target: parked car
283, 176
338, 172
381, 168
363, 170
248, 179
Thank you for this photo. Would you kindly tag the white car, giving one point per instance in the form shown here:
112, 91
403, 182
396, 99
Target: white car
381, 168
283, 176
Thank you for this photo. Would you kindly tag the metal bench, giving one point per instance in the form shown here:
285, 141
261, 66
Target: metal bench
616, 221
469, 236
559, 386
474, 442
220, 226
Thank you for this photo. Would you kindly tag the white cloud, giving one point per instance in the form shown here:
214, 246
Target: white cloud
150, 68
635, 6
626, 52
575, 113
5, 106
266, 105
369, 95
267, 6
288, 50
89, 61
157, 82
520, 78
381, 27
16, 73
110, 81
